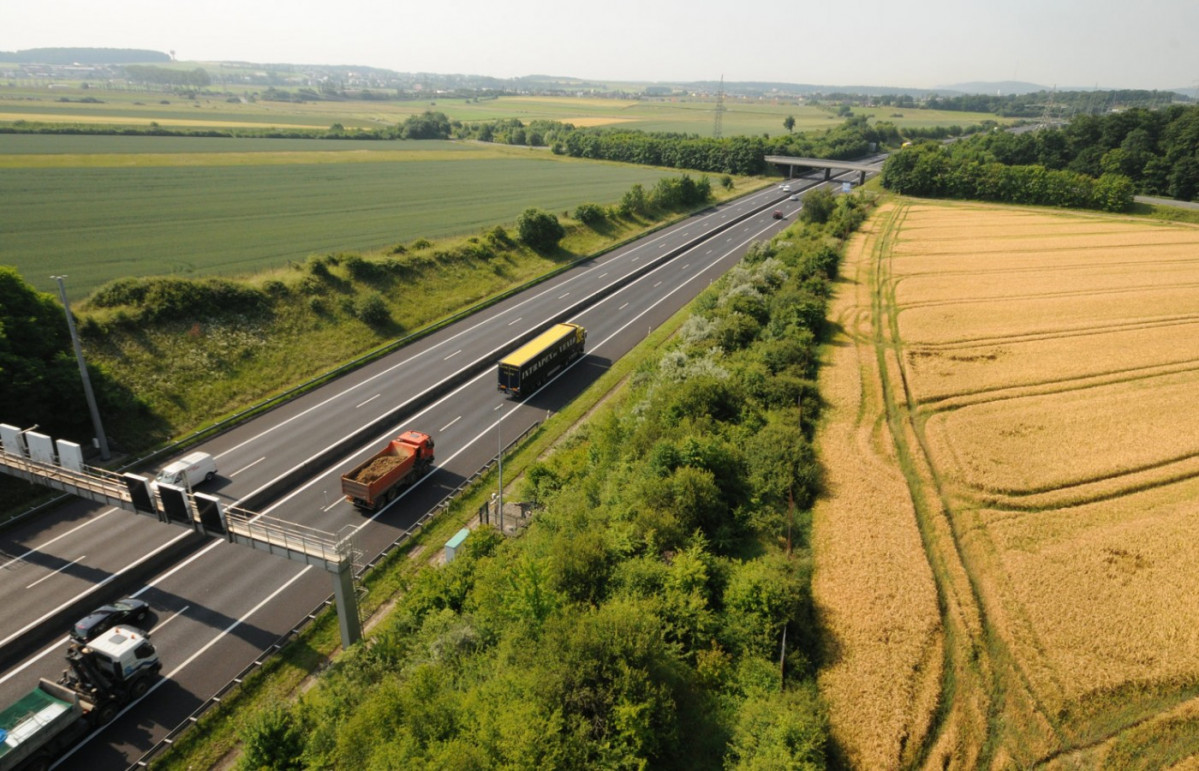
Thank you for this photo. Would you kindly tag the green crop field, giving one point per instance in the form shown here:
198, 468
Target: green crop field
100, 207
692, 115
98, 214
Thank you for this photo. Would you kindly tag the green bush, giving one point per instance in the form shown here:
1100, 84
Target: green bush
818, 205
318, 266
273, 739
499, 237
539, 229
590, 214
361, 269
372, 309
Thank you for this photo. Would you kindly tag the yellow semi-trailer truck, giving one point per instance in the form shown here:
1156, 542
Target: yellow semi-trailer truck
528, 367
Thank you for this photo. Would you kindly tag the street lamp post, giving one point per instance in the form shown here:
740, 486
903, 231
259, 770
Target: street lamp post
101, 439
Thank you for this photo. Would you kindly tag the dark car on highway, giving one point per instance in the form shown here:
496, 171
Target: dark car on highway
127, 611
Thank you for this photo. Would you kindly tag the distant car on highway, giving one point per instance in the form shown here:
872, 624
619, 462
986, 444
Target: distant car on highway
794, 197
786, 188
778, 215
127, 611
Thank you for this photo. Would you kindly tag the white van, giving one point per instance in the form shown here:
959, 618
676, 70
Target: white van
188, 471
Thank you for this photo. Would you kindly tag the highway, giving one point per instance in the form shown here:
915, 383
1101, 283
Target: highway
217, 606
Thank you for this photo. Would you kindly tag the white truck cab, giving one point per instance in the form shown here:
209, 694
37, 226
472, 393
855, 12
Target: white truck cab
188, 471
124, 653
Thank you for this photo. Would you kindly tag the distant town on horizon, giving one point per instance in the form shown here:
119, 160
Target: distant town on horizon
87, 58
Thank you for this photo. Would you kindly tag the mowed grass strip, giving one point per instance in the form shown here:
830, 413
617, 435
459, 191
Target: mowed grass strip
98, 224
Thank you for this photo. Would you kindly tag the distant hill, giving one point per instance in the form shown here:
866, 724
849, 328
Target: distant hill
999, 87
84, 56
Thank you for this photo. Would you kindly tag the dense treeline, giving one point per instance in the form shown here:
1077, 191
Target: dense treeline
639, 621
1097, 162
935, 171
732, 155
1040, 103
1157, 149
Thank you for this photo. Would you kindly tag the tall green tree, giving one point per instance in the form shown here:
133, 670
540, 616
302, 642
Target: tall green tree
39, 378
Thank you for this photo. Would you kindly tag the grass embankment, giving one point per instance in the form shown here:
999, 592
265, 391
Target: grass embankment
195, 351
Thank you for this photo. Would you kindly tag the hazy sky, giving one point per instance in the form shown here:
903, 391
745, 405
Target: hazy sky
921, 43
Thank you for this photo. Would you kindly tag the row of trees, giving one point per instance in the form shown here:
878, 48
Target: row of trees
1040, 103
639, 622
542, 231
936, 171
732, 155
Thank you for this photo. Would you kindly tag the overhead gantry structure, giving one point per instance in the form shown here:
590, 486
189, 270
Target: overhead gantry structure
59, 465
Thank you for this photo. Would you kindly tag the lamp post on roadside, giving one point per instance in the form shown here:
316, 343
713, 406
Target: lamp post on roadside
101, 439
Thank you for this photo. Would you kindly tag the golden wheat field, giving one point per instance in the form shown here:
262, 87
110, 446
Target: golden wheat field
872, 586
1044, 413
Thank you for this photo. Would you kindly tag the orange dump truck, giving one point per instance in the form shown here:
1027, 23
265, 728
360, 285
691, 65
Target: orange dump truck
382, 476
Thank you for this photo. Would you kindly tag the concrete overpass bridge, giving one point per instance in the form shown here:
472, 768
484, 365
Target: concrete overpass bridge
824, 163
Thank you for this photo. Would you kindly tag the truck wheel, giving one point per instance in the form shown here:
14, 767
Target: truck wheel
211, 475
140, 688
107, 713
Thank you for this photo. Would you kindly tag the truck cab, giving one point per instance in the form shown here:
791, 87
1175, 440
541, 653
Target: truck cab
123, 653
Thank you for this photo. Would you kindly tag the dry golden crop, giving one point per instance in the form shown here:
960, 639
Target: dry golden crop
872, 586
1045, 412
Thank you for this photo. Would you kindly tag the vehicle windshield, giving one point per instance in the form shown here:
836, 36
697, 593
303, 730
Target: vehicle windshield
167, 477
